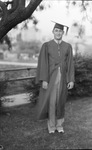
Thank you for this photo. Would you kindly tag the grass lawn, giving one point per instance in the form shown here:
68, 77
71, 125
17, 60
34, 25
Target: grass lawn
19, 130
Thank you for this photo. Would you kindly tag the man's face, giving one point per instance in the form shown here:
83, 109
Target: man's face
58, 33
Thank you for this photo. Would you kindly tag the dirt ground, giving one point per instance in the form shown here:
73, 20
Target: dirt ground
19, 130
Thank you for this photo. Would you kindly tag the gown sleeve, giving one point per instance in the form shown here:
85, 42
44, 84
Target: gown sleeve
42, 68
70, 63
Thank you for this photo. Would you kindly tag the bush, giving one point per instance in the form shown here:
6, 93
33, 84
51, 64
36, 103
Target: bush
83, 77
33, 89
3, 87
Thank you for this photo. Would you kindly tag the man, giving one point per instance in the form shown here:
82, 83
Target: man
55, 72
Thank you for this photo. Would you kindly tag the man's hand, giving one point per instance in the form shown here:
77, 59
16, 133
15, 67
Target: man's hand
44, 85
70, 85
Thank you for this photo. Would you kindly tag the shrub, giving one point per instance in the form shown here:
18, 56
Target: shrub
33, 89
3, 87
83, 77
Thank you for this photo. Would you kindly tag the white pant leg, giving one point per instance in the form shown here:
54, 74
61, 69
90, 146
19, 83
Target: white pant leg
59, 122
52, 110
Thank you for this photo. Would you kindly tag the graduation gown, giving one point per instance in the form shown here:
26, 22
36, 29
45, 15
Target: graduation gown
50, 58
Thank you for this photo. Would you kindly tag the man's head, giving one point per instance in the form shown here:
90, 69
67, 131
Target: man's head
58, 31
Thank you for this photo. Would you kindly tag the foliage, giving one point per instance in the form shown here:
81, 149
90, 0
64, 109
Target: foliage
83, 77
6, 40
85, 8
3, 87
33, 89
81, 29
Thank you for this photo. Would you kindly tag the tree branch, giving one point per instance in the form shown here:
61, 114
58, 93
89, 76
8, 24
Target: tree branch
4, 11
3, 6
8, 2
22, 3
26, 12
31, 7
15, 5
18, 14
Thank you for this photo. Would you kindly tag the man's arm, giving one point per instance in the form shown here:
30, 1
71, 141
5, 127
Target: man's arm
42, 68
70, 72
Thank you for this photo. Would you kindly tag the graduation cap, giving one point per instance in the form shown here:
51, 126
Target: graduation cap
60, 26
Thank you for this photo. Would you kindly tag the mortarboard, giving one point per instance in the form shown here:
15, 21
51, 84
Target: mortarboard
60, 26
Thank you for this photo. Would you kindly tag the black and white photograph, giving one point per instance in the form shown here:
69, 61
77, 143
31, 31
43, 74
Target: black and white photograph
45, 74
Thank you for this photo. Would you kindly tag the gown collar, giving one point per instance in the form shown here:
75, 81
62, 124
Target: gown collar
60, 41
